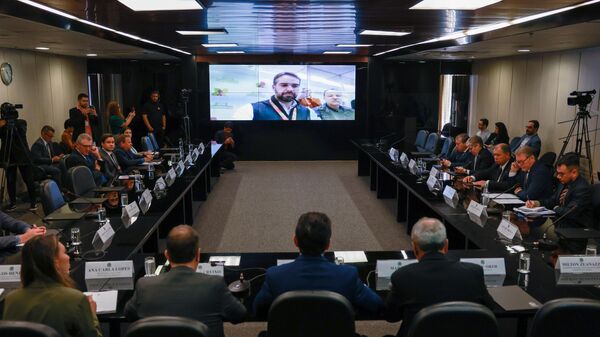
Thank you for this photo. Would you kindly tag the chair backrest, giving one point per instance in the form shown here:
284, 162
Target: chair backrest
447, 147
573, 317
26, 329
154, 142
81, 179
548, 158
62, 165
596, 204
314, 313
147, 144
165, 326
432, 141
421, 138
450, 319
513, 143
51, 197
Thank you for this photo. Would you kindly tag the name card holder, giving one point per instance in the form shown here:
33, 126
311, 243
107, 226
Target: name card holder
201, 146
434, 172
404, 160
394, 155
433, 184
108, 269
130, 214
216, 269
494, 270
170, 177
10, 273
195, 154
103, 237
450, 197
189, 161
477, 213
284, 261
103, 284
180, 168
578, 264
146, 201
507, 230
565, 279
412, 166
385, 268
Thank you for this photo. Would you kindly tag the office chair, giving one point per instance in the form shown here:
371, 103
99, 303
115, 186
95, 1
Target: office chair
147, 144
596, 204
166, 326
26, 329
449, 319
51, 197
573, 317
153, 141
62, 165
432, 142
421, 139
548, 159
311, 313
81, 180
513, 144
447, 146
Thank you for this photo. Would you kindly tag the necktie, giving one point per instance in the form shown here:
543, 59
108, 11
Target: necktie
114, 160
475, 163
526, 178
49, 150
500, 175
563, 195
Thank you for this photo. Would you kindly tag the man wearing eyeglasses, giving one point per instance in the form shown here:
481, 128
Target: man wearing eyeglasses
530, 138
534, 179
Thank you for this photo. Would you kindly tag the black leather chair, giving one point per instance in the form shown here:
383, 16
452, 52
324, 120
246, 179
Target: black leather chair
596, 204
548, 158
51, 197
81, 181
26, 329
62, 165
421, 139
454, 319
167, 326
572, 317
305, 313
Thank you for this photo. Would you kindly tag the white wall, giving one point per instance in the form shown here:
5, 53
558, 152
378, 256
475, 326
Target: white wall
47, 86
516, 89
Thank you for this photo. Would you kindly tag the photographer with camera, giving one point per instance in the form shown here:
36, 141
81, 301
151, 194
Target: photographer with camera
154, 115
84, 118
14, 154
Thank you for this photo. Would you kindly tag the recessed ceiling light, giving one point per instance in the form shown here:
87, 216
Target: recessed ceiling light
42, 48
161, 5
166, 64
202, 32
353, 45
218, 45
421, 61
523, 50
382, 32
454, 4
91, 55
231, 52
337, 52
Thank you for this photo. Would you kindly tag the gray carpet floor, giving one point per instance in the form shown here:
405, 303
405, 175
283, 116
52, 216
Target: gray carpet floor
255, 208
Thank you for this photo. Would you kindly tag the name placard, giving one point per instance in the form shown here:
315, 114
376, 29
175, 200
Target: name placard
434, 172
385, 268
579, 264
404, 159
211, 269
201, 146
108, 269
10, 273
450, 197
412, 166
130, 214
103, 237
394, 154
195, 154
577, 279
100, 284
171, 175
180, 168
284, 261
145, 201
160, 184
508, 230
188, 160
432, 183
491, 266
477, 213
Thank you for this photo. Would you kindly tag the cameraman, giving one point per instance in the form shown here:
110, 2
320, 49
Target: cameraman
18, 156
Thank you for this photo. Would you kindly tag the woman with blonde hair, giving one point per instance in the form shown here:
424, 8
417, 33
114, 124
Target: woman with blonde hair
48, 295
117, 121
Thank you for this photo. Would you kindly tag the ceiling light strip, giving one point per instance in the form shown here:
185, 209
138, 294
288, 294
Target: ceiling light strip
90, 23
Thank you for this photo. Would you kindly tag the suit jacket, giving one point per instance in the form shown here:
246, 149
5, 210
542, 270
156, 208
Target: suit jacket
39, 152
78, 159
315, 273
78, 120
537, 185
127, 159
534, 142
460, 158
498, 178
110, 167
65, 309
433, 280
183, 292
482, 161
580, 195
12, 225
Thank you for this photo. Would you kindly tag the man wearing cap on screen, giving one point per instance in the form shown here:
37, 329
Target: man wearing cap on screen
333, 109
281, 106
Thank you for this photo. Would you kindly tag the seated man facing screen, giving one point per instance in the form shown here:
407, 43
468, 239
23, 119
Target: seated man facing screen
184, 292
482, 158
126, 158
461, 155
312, 271
434, 279
496, 176
534, 179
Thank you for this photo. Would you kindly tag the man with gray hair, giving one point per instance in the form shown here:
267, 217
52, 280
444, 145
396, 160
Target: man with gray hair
87, 154
434, 279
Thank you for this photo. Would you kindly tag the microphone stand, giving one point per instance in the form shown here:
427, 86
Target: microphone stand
548, 244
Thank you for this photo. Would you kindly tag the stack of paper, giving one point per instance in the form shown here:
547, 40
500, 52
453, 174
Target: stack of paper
503, 198
106, 301
534, 212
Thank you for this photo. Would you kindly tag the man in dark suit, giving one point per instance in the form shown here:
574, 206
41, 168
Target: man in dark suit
496, 176
530, 138
533, 178
44, 154
434, 279
312, 271
86, 154
482, 158
24, 231
84, 118
460, 156
184, 292
225, 137
126, 158
111, 167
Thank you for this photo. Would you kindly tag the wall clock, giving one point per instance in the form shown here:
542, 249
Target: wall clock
6, 73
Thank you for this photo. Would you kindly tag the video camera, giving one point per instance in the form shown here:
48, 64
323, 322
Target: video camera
9, 111
581, 98
185, 95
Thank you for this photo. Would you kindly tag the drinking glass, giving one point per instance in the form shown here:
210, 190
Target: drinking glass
150, 265
524, 263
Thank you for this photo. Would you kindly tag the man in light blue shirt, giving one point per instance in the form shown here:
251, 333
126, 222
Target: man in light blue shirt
25, 231
530, 138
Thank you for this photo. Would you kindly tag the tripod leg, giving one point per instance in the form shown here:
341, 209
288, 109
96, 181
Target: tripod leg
566, 141
588, 149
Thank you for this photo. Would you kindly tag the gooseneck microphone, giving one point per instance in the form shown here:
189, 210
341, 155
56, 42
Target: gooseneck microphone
548, 244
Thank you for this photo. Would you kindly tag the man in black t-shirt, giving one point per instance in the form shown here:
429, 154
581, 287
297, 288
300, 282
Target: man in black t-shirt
155, 117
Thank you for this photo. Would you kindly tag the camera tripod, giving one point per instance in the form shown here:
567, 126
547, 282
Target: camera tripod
7, 143
582, 134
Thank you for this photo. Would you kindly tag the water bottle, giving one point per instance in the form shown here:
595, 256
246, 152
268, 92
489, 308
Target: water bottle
190, 147
124, 199
151, 171
485, 200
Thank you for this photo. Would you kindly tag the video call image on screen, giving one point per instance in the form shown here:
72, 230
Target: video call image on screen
282, 92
